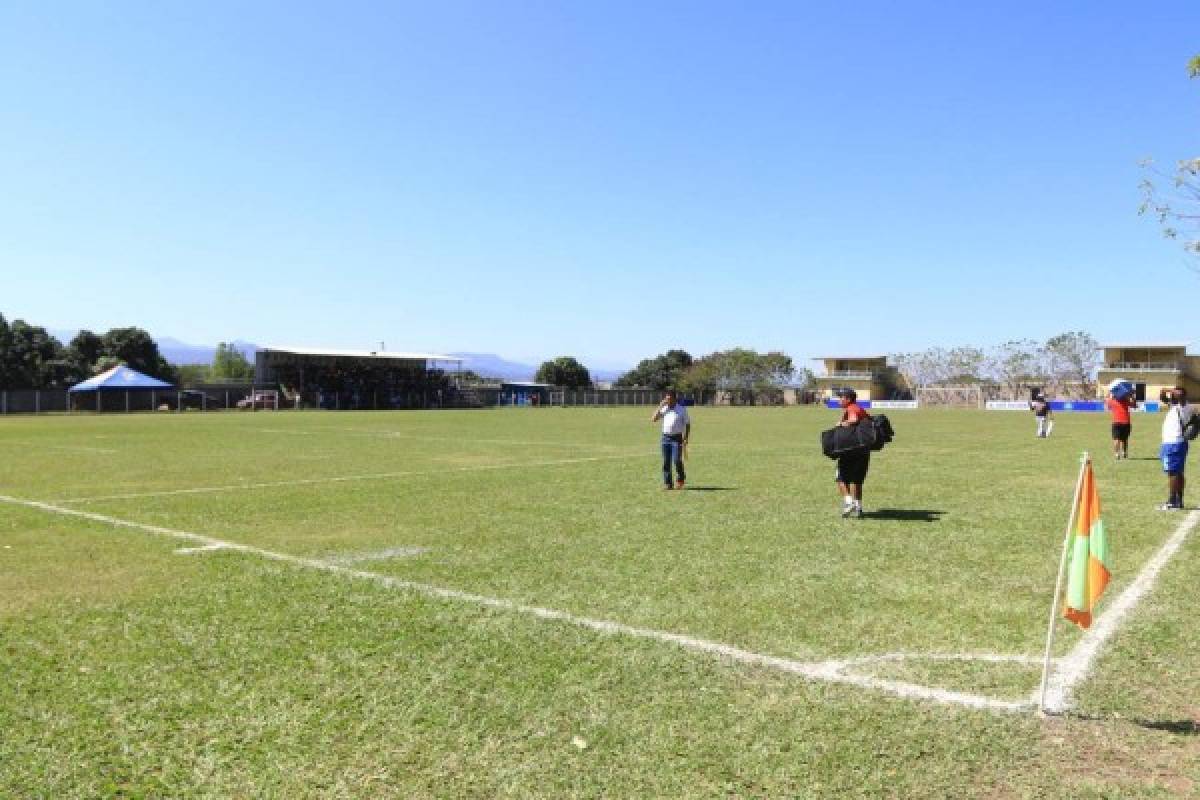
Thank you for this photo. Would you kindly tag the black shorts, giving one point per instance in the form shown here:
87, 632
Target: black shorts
1120, 431
853, 469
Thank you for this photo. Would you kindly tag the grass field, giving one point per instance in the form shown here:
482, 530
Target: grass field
317, 656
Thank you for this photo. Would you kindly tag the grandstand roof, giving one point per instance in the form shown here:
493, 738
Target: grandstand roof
1132, 345
386, 355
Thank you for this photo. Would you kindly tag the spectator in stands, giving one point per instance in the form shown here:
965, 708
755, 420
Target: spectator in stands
1040, 407
1119, 403
852, 469
1174, 449
676, 428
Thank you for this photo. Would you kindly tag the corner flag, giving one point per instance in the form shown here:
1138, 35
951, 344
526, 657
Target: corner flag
1087, 571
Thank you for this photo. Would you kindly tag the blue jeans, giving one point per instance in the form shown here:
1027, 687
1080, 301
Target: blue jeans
672, 451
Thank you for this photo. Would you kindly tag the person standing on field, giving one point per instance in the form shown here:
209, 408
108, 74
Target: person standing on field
676, 428
1040, 407
1174, 449
1119, 407
852, 469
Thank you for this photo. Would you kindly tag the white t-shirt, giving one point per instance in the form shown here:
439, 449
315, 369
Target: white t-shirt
675, 419
1172, 427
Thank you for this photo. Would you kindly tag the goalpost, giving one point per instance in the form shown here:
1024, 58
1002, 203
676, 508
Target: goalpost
950, 397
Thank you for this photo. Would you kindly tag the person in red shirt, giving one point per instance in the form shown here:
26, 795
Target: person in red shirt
1119, 407
852, 469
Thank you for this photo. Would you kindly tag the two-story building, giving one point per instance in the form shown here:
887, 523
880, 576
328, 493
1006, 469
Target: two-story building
869, 376
1152, 367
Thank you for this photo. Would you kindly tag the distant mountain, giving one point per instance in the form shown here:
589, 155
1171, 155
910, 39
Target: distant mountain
178, 352
490, 365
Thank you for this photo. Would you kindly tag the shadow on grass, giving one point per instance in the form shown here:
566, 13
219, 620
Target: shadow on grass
710, 488
1187, 727
904, 514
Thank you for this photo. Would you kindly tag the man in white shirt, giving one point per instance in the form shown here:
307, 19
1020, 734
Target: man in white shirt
1175, 445
676, 428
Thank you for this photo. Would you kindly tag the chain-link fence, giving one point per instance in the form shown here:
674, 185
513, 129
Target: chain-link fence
252, 397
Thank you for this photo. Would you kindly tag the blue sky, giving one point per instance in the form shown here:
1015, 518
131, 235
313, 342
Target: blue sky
602, 179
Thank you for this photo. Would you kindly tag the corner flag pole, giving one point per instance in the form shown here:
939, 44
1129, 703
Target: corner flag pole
1062, 565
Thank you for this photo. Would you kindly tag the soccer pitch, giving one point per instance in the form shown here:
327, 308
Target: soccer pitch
505, 603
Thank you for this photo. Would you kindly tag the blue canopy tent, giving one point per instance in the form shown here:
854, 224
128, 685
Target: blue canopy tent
119, 379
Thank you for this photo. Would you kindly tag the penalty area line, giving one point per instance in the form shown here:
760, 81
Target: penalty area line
825, 671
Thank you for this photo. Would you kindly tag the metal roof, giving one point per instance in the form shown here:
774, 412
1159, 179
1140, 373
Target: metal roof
1146, 345
847, 358
120, 377
387, 355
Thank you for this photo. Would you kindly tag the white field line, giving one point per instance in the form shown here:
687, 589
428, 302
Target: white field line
207, 548
427, 438
374, 476
378, 555
828, 671
1076, 665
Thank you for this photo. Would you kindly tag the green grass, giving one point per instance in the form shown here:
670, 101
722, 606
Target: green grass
130, 670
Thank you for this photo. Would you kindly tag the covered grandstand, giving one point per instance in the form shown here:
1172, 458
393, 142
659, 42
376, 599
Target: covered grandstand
359, 379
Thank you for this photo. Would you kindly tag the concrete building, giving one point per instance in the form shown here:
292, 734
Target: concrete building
1152, 367
869, 376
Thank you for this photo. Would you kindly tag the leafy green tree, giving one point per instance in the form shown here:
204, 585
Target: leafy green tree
34, 358
229, 364
6, 378
82, 353
661, 372
743, 373
135, 348
192, 374
564, 371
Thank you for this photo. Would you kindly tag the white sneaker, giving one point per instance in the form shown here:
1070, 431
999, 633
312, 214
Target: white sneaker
847, 509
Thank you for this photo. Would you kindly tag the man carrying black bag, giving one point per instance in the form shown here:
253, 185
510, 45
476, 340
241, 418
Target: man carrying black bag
852, 468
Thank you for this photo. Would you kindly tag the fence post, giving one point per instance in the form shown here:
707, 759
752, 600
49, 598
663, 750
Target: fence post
226, 400
4, 402
37, 401
126, 401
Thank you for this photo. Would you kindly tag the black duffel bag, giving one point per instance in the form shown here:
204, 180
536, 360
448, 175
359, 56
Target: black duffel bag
846, 440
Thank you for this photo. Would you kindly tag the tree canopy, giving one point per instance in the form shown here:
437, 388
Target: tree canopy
30, 358
661, 372
740, 371
564, 371
229, 364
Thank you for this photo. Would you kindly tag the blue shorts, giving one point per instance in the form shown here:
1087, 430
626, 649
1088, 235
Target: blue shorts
1173, 456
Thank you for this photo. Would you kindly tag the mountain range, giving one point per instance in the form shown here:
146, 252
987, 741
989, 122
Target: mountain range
489, 365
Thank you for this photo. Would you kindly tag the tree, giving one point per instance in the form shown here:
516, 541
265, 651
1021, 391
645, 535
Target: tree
1178, 210
135, 348
564, 371
741, 372
1015, 364
229, 364
661, 372
33, 358
1072, 360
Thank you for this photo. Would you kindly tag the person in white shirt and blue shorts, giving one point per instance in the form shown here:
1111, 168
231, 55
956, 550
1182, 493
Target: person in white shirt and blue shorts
1174, 449
676, 428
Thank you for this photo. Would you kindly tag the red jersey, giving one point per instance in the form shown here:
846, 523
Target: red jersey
854, 413
1119, 410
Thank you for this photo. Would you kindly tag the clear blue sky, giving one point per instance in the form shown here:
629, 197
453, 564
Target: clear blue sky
604, 179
